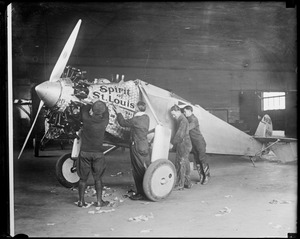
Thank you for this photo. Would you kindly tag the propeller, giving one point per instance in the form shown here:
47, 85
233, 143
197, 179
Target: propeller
56, 72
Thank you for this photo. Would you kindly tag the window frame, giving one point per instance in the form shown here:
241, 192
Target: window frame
272, 96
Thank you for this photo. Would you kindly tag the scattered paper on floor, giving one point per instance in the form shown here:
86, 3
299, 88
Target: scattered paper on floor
276, 201
223, 211
145, 231
141, 218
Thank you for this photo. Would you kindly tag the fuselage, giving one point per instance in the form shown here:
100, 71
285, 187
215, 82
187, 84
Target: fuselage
221, 137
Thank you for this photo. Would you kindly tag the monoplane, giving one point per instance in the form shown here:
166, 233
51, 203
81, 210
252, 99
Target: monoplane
66, 90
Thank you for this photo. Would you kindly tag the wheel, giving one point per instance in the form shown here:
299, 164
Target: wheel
159, 179
66, 173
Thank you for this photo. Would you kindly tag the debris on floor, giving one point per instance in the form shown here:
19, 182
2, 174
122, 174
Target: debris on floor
129, 193
90, 191
104, 194
50, 224
277, 226
228, 196
101, 211
113, 204
73, 189
118, 174
105, 211
145, 231
141, 218
275, 201
107, 191
223, 211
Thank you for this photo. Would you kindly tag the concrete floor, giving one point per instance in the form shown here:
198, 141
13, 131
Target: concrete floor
260, 201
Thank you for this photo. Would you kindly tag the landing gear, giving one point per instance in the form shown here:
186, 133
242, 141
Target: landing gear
66, 172
159, 179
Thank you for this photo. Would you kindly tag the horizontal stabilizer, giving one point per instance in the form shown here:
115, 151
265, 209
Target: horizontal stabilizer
285, 152
273, 139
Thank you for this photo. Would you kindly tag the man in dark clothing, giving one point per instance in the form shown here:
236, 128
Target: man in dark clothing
91, 158
198, 143
139, 145
182, 142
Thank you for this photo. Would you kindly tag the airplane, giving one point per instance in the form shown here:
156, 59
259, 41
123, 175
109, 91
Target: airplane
67, 89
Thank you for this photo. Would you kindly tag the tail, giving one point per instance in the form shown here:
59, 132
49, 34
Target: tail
284, 149
265, 127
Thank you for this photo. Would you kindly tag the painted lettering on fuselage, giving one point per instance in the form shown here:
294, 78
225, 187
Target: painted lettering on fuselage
124, 95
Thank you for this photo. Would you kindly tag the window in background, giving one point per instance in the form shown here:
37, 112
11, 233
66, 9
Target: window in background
273, 101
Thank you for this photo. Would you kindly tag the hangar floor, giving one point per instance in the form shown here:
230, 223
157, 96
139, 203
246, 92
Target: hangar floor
239, 201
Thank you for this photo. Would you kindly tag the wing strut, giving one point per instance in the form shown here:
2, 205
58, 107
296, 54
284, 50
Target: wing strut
148, 102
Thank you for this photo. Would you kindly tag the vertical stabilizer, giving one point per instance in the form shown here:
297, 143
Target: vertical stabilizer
265, 127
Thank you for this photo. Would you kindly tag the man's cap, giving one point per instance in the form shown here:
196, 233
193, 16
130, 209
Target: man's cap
98, 107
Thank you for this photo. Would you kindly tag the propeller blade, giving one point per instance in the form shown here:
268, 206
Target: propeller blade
27, 137
57, 72
64, 55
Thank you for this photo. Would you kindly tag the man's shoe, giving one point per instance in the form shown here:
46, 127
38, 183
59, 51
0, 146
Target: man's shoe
199, 172
207, 171
101, 204
206, 176
137, 197
82, 204
188, 186
177, 188
205, 180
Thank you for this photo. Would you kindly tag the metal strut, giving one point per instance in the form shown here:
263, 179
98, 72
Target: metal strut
260, 152
148, 102
252, 161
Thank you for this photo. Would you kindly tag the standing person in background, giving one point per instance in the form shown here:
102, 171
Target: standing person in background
199, 145
91, 158
183, 145
139, 145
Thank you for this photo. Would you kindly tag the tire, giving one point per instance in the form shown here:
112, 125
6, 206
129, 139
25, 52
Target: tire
63, 171
159, 179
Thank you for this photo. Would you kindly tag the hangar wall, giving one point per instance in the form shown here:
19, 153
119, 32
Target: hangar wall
205, 52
